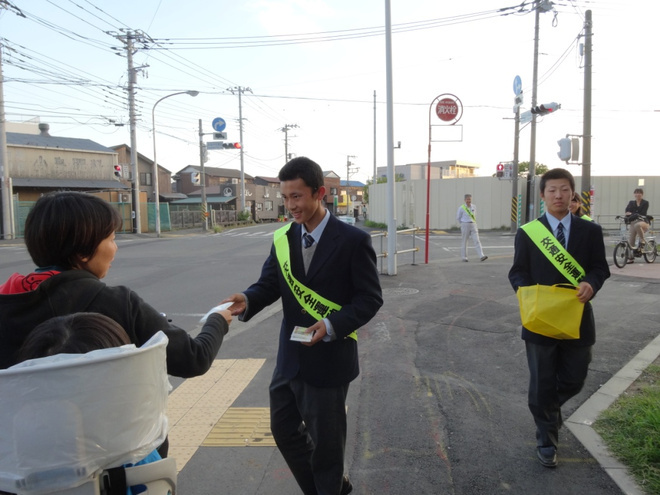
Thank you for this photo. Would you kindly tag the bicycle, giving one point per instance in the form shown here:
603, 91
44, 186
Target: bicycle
624, 252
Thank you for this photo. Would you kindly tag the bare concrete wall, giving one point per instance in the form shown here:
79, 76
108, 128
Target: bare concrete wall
493, 199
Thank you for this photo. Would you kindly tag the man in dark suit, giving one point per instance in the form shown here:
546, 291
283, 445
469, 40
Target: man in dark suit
325, 272
558, 368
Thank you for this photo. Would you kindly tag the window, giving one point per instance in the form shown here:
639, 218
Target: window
269, 205
145, 179
260, 207
278, 194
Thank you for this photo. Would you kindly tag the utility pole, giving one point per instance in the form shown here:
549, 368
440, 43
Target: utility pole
240, 90
349, 171
391, 188
539, 6
285, 130
128, 40
586, 127
132, 76
375, 168
7, 203
202, 177
530, 197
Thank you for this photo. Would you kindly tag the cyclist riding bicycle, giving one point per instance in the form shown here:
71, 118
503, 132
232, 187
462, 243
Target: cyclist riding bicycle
637, 218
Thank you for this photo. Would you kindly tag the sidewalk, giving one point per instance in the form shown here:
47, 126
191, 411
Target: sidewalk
440, 405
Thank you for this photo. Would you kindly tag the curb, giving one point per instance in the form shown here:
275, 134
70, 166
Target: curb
581, 421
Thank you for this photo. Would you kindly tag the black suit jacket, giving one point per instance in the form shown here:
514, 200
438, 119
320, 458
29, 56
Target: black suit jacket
531, 267
342, 270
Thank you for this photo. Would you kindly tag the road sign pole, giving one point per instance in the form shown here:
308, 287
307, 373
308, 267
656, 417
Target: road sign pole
202, 177
516, 145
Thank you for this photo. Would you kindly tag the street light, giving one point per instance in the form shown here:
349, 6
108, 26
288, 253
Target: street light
155, 169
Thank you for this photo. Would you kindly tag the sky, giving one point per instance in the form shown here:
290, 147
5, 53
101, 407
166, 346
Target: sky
313, 66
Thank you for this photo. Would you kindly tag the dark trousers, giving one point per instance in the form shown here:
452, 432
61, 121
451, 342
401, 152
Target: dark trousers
556, 373
309, 427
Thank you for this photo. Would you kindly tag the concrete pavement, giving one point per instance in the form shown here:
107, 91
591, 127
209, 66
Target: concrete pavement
440, 405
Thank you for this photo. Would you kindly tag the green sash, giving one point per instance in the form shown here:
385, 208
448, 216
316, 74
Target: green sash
469, 212
316, 305
587, 217
554, 251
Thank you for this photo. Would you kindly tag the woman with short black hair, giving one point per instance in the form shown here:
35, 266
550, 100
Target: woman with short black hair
71, 239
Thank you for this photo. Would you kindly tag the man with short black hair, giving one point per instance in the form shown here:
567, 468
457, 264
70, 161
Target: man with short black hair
558, 368
326, 274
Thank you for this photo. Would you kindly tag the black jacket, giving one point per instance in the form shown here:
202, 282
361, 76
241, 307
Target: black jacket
344, 271
530, 267
77, 291
642, 209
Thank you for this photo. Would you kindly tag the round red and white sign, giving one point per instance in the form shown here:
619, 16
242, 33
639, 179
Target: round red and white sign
447, 110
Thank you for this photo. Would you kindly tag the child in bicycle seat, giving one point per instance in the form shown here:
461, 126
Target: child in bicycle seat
79, 333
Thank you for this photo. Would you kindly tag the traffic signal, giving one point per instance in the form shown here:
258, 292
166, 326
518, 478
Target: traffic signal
546, 108
231, 146
118, 171
500, 170
564, 152
569, 149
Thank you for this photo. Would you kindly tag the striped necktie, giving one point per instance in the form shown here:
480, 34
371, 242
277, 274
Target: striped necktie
308, 240
560, 234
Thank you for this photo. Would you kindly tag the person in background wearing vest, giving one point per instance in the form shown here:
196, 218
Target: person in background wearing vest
326, 274
466, 216
558, 368
576, 207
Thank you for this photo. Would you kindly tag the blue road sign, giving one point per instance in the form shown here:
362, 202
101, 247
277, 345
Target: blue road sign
517, 85
219, 124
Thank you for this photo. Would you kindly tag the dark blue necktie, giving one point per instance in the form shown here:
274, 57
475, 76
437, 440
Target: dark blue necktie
560, 234
308, 240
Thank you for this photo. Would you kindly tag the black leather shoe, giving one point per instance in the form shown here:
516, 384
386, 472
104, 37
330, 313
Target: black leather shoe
547, 456
346, 486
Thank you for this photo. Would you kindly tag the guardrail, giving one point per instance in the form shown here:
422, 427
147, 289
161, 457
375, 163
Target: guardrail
383, 252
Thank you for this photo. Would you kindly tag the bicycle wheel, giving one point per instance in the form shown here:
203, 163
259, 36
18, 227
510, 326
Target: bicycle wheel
650, 251
621, 254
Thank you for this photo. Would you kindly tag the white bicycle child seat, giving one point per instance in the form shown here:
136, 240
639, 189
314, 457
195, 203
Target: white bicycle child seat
66, 419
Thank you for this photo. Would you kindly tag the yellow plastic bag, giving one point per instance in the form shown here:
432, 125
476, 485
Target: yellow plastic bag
551, 310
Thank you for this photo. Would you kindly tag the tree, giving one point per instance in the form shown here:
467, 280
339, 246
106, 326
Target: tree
539, 169
379, 180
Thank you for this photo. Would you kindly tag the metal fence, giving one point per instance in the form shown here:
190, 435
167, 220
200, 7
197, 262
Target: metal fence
169, 220
383, 250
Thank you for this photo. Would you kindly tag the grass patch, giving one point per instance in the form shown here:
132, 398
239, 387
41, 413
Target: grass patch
631, 429
374, 225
